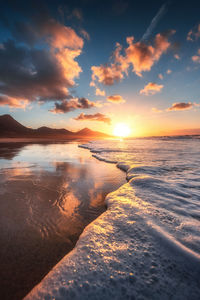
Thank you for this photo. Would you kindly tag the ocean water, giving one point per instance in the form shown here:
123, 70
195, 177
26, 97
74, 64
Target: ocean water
147, 243
48, 194
165, 173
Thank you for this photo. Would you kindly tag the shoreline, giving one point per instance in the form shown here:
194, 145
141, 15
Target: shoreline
109, 260
75, 166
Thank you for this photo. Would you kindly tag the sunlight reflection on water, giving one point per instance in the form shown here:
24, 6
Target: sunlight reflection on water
49, 193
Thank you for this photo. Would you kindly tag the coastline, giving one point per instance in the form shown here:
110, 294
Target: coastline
51, 192
134, 259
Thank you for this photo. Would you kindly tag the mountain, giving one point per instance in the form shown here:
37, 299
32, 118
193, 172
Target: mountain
10, 128
90, 133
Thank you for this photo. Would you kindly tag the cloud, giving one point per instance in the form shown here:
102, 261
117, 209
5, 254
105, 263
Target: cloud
40, 63
155, 21
140, 55
194, 34
156, 110
177, 56
107, 74
160, 76
100, 92
168, 71
116, 99
151, 89
95, 117
76, 103
76, 13
13, 102
143, 56
180, 106
196, 58
85, 34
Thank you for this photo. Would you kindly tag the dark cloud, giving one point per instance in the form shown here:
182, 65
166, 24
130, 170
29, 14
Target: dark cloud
31, 74
95, 117
67, 106
181, 106
40, 63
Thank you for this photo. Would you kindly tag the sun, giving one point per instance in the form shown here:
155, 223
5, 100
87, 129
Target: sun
121, 130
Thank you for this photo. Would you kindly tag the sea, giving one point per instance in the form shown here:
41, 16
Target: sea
146, 245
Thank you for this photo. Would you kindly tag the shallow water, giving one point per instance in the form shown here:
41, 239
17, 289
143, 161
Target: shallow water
48, 194
147, 243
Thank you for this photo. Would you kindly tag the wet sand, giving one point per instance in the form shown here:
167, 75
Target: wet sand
48, 194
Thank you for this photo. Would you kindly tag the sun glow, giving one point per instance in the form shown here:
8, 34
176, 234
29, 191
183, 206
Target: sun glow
121, 130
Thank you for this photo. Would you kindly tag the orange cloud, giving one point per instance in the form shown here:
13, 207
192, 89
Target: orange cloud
194, 34
143, 56
151, 89
95, 117
168, 71
107, 74
176, 56
116, 99
180, 106
60, 36
13, 102
196, 58
100, 92
160, 76
140, 55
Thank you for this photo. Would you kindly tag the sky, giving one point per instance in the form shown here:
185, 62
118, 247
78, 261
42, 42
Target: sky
91, 63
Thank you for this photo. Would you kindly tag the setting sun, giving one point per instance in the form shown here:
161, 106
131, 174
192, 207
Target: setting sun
122, 130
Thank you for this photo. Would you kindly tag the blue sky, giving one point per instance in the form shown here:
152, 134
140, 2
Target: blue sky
47, 52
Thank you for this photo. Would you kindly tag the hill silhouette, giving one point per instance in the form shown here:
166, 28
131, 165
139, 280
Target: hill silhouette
10, 128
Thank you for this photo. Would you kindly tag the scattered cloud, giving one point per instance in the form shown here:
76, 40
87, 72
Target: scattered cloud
107, 74
180, 106
168, 71
100, 92
156, 110
196, 58
177, 56
116, 99
76, 103
85, 34
160, 76
76, 13
140, 56
95, 117
143, 56
39, 64
151, 89
194, 34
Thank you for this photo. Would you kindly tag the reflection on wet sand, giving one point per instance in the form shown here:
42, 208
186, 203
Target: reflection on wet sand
48, 194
